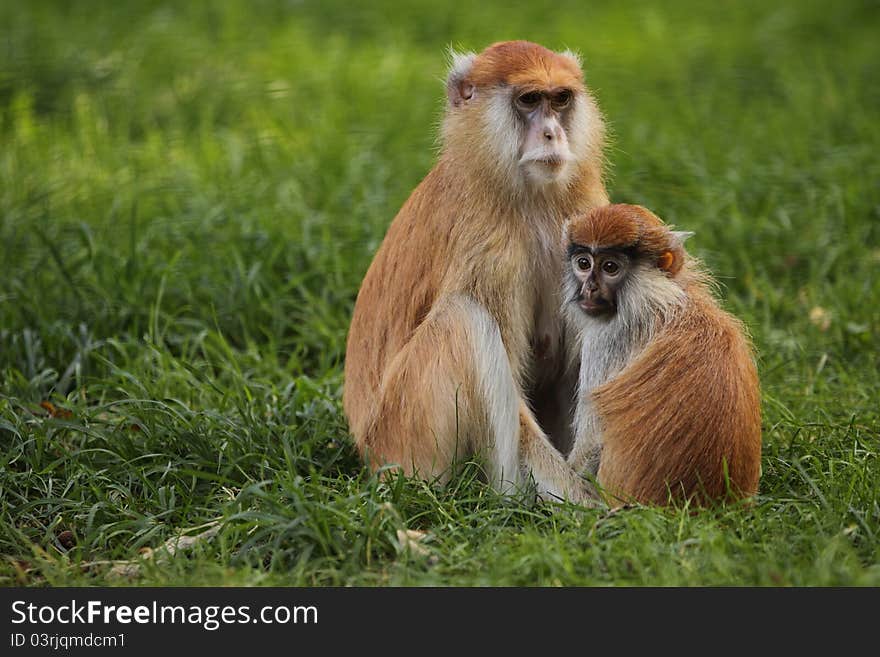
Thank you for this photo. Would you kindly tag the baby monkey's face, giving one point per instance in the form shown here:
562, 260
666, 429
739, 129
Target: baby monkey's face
600, 273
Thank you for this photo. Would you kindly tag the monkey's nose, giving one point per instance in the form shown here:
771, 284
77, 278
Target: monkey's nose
548, 134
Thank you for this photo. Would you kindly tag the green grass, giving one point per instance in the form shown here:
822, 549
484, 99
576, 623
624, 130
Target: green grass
190, 194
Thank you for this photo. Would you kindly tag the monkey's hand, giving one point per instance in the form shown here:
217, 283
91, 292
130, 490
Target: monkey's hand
555, 479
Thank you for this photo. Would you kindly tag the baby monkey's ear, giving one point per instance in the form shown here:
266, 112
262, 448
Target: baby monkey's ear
672, 259
679, 237
666, 260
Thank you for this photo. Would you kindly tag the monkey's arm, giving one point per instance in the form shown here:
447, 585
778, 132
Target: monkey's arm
587, 460
587, 450
554, 477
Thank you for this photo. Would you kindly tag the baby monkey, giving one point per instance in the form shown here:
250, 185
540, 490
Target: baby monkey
668, 405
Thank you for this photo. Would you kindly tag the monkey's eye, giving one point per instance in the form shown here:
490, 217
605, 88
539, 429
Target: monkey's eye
610, 267
529, 100
562, 99
583, 263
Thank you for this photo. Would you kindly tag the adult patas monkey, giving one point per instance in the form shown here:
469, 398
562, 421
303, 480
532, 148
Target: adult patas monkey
668, 398
456, 325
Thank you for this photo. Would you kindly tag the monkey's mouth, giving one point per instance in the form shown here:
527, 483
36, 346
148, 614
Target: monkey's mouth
553, 161
549, 159
596, 306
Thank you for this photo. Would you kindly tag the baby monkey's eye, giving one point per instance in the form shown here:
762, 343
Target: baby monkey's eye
583, 263
610, 267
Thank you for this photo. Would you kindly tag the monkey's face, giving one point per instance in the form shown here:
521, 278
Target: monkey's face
520, 115
599, 275
544, 115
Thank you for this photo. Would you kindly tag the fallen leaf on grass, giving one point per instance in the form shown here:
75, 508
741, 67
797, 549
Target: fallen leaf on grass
820, 318
174, 545
410, 540
124, 570
66, 539
55, 411
180, 543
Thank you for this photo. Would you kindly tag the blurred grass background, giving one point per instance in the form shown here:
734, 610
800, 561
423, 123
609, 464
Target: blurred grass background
190, 194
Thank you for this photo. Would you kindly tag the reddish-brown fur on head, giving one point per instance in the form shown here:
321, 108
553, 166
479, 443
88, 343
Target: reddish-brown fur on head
526, 65
626, 226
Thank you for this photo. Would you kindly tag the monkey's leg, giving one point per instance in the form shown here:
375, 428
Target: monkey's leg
449, 393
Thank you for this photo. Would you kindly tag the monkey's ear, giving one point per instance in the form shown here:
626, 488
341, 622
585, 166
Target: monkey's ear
666, 260
679, 237
459, 89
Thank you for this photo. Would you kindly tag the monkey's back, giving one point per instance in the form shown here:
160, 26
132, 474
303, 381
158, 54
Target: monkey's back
683, 419
397, 292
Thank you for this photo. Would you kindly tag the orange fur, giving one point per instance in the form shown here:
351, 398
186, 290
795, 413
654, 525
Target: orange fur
622, 225
525, 65
682, 419
471, 261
